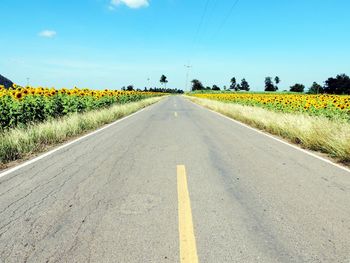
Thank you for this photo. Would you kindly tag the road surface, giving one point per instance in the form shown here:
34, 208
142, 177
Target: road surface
176, 183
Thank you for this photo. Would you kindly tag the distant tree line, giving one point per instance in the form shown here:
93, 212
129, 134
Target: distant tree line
338, 85
164, 90
244, 85
163, 81
154, 89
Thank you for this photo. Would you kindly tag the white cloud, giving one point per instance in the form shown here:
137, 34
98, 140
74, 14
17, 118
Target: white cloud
130, 3
48, 33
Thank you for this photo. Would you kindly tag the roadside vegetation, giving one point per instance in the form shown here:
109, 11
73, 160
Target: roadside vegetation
339, 85
318, 133
32, 119
20, 106
334, 107
318, 120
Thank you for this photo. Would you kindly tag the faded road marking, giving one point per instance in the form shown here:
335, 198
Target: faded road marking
188, 249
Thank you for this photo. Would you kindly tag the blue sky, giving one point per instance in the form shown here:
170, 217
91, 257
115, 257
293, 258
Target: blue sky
108, 44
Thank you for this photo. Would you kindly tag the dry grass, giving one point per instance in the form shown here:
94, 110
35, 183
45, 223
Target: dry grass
316, 133
19, 143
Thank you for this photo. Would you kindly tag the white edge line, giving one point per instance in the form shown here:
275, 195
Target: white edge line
11, 170
276, 139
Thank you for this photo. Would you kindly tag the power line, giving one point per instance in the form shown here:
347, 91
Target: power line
204, 23
195, 40
213, 9
200, 25
226, 17
201, 21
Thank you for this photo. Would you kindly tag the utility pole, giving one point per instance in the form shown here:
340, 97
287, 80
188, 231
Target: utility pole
148, 79
187, 74
28, 81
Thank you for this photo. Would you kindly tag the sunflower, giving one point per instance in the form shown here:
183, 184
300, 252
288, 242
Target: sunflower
19, 95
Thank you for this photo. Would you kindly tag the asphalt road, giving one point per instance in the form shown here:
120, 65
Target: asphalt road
116, 197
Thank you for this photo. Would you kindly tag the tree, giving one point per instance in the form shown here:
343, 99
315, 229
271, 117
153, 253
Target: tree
244, 85
297, 88
215, 87
130, 88
269, 84
233, 84
277, 81
163, 80
338, 85
316, 88
238, 87
5, 82
197, 85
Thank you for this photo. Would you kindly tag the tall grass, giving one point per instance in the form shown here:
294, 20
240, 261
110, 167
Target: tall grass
18, 143
311, 132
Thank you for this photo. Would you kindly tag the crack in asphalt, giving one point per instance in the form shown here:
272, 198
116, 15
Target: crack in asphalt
110, 177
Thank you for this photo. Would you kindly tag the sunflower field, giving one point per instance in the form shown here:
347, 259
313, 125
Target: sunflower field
330, 106
20, 106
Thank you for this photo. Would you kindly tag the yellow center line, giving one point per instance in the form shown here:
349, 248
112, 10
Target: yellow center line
175, 114
188, 249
